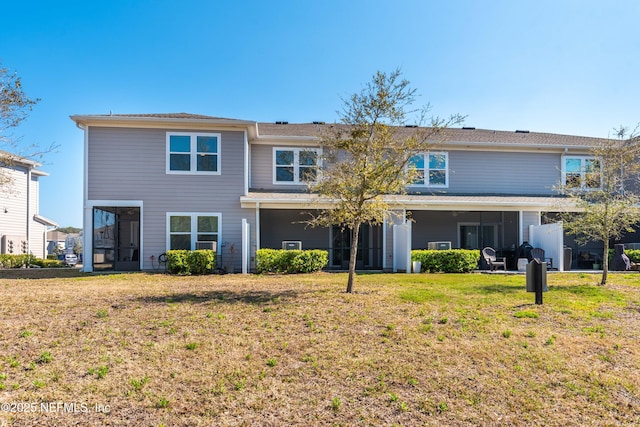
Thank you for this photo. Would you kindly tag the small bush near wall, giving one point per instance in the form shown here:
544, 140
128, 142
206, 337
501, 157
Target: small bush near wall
24, 260
633, 254
290, 261
451, 261
47, 263
190, 262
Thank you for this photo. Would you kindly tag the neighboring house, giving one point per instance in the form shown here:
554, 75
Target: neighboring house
22, 229
56, 240
155, 182
71, 241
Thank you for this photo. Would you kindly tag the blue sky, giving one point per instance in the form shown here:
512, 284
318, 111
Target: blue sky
561, 66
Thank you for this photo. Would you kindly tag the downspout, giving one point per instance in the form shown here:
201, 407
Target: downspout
257, 226
384, 243
520, 228
247, 164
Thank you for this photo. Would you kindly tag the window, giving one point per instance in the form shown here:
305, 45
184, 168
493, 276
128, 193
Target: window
185, 229
431, 169
193, 153
295, 165
581, 172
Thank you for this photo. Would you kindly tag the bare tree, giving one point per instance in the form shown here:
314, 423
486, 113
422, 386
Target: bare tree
369, 155
15, 106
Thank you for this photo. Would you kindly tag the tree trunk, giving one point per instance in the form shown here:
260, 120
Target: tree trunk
605, 263
353, 255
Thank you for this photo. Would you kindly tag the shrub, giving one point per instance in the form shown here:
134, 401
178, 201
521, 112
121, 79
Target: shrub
633, 254
290, 261
26, 260
450, 261
190, 262
47, 263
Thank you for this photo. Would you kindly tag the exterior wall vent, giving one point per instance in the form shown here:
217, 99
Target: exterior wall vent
440, 246
522, 131
282, 123
319, 123
212, 246
468, 128
292, 245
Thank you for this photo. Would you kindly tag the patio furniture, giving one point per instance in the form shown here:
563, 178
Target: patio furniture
494, 262
620, 260
539, 254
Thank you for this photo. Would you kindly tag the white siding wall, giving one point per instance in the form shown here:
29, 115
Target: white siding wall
13, 200
37, 231
529, 218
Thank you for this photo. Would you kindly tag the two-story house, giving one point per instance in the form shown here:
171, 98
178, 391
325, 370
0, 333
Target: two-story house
155, 182
22, 228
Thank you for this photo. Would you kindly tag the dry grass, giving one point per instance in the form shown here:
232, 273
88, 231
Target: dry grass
296, 350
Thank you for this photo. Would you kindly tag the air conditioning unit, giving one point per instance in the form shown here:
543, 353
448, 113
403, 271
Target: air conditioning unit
440, 246
292, 244
212, 246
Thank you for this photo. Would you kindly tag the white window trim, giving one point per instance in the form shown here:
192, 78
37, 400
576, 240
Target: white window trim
296, 164
426, 170
194, 226
193, 153
582, 159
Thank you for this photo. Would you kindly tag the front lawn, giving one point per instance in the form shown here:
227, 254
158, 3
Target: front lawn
442, 349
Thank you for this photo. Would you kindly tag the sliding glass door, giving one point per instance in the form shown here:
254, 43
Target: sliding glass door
476, 236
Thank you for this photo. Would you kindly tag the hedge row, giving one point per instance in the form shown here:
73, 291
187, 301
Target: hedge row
27, 260
185, 262
290, 261
448, 261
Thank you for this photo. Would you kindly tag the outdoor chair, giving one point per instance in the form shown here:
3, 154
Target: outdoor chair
489, 255
539, 254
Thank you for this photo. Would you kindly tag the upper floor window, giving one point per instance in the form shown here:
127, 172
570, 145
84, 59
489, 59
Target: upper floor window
581, 172
431, 169
184, 230
197, 153
295, 165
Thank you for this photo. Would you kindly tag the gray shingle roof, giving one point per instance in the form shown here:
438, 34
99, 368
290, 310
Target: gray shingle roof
167, 116
313, 130
450, 135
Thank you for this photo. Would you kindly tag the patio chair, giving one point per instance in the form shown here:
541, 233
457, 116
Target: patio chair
539, 254
489, 255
